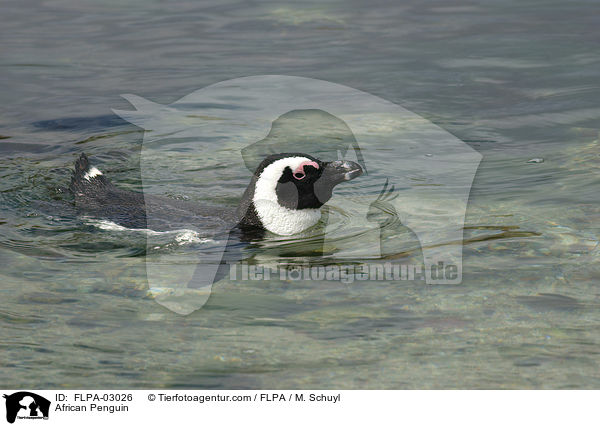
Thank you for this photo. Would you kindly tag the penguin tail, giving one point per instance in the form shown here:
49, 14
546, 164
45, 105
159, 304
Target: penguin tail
87, 179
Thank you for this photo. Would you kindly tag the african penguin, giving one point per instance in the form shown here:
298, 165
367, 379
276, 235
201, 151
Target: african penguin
284, 197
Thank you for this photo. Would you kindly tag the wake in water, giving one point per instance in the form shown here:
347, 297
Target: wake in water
182, 236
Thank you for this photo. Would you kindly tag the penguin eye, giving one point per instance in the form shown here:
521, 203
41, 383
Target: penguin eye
299, 173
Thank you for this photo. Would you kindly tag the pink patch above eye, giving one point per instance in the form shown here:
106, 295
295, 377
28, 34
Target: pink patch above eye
299, 173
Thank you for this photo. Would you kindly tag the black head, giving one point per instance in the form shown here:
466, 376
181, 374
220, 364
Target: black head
296, 186
287, 190
302, 181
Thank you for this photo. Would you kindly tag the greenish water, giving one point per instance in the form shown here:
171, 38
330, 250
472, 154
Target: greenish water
514, 80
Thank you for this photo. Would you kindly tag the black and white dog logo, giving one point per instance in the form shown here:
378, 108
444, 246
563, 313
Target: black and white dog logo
26, 405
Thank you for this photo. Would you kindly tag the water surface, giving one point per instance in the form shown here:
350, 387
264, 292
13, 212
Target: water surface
515, 80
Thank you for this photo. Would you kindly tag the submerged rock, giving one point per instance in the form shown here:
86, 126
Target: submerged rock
544, 302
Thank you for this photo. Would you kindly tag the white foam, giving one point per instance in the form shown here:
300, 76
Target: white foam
188, 236
182, 236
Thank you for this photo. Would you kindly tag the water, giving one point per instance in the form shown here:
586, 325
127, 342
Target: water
515, 80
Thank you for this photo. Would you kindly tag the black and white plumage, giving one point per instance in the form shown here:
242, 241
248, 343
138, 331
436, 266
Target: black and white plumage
98, 198
284, 196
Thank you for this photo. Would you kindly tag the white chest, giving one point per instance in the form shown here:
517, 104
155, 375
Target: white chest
283, 221
274, 217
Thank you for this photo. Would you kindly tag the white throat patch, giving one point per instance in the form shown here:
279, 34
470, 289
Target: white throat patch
274, 217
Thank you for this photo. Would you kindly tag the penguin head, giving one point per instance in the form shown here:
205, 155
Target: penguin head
287, 191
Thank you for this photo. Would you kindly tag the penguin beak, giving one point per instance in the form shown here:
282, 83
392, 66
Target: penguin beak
340, 171
333, 173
